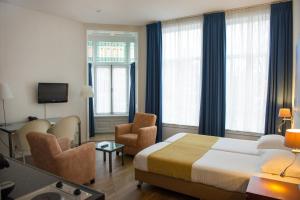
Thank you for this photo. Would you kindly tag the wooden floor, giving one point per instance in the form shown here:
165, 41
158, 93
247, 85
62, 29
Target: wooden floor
120, 185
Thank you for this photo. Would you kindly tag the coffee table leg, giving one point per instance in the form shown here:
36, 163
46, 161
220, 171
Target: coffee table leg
104, 156
110, 167
122, 155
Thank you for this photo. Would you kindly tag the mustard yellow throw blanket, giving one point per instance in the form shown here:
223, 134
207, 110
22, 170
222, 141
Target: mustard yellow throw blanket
176, 159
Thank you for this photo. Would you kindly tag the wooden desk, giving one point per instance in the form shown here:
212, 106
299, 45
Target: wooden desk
268, 189
11, 128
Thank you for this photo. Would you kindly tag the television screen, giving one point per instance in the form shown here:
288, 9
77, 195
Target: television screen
52, 92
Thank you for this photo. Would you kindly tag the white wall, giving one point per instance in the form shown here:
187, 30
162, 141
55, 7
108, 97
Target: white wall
296, 18
37, 47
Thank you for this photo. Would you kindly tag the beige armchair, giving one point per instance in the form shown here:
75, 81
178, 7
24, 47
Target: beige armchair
67, 127
138, 135
19, 137
77, 165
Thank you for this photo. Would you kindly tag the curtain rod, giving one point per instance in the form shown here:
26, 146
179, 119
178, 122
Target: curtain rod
232, 9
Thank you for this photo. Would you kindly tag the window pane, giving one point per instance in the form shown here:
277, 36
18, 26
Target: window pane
120, 83
182, 68
103, 89
111, 52
247, 40
90, 51
131, 51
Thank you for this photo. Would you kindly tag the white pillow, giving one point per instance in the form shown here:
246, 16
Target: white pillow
294, 170
271, 142
274, 161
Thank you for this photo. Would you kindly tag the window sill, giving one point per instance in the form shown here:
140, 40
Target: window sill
179, 126
230, 132
108, 115
243, 133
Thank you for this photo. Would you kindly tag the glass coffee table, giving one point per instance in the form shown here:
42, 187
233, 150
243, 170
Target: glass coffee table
109, 147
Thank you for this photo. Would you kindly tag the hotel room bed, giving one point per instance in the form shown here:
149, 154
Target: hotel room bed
223, 172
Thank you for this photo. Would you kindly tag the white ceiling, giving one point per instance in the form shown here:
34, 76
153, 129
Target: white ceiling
130, 12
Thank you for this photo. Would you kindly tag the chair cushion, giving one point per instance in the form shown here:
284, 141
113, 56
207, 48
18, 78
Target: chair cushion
129, 139
142, 120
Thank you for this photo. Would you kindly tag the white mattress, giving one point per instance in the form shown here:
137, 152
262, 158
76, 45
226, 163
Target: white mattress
228, 144
223, 169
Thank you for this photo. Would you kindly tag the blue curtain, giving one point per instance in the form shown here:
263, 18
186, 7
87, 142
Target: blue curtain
132, 94
91, 103
154, 75
212, 109
280, 64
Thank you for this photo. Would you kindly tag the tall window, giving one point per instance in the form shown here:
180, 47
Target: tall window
247, 58
111, 59
181, 68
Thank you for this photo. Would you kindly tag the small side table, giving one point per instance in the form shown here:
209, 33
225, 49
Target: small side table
110, 147
268, 189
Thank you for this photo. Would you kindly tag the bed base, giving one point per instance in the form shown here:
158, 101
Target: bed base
198, 190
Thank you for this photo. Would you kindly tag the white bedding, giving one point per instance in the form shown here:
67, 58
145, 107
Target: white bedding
223, 169
175, 137
226, 170
228, 144
237, 146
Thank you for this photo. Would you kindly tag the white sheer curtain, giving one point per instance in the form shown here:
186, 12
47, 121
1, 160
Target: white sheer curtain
247, 63
181, 71
120, 89
103, 90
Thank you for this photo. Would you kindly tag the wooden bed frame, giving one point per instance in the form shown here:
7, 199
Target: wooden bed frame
198, 190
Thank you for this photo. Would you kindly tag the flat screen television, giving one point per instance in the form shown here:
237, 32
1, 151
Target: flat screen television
52, 92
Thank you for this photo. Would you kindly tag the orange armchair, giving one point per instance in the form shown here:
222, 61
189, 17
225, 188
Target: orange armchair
138, 135
77, 165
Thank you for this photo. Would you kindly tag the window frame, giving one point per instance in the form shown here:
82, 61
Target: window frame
111, 65
112, 88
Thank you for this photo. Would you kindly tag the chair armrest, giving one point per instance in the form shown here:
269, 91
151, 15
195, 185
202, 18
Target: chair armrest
64, 143
123, 129
146, 136
78, 164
